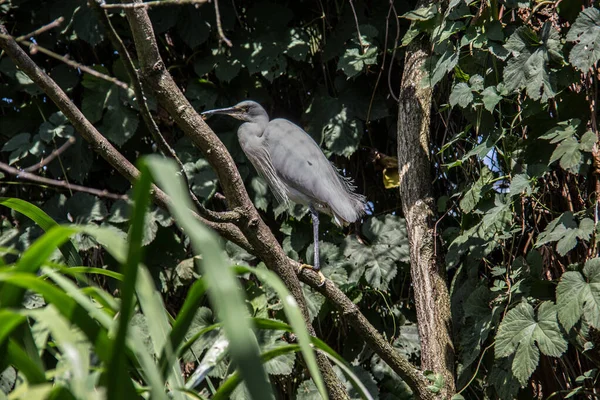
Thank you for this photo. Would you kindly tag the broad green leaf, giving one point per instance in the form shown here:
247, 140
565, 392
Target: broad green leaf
529, 68
461, 94
490, 98
354, 61
585, 32
519, 184
421, 14
565, 231
378, 260
578, 296
519, 333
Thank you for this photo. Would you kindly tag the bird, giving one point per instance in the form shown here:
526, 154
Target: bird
295, 168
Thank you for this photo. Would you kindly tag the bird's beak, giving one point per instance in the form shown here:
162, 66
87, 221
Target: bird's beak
231, 111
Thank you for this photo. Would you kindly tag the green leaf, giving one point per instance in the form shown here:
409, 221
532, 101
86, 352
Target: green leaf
378, 261
520, 331
578, 295
353, 62
490, 98
421, 14
87, 26
473, 195
224, 290
461, 94
85, 208
586, 33
565, 232
530, 66
519, 184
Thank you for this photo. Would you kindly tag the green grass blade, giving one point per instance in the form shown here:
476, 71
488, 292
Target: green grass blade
9, 321
19, 358
294, 316
182, 323
32, 260
224, 290
45, 222
231, 383
117, 369
67, 306
158, 326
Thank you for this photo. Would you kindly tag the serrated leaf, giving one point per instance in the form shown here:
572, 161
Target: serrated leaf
520, 183
85, 208
578, 296
378, 260
588, 140
421, 14
490, 98
520, 332
461, 94
565, 232
530, 66
586, 33
354, 61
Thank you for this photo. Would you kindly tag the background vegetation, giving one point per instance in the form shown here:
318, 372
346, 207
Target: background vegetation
516, 177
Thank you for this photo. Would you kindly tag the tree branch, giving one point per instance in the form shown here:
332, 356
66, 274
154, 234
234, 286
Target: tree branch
98, 142
22, 174
52, 156
148, 4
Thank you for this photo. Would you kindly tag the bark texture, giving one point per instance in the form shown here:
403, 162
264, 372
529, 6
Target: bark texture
428, 270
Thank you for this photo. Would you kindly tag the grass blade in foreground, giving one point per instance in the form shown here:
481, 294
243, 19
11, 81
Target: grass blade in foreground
224, 289
294, 316
45, 222
119, 382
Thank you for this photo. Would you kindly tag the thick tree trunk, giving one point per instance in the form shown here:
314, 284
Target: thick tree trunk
427, 269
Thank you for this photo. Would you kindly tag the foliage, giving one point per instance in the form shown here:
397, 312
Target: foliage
514, 157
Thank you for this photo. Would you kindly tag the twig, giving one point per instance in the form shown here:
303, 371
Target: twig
43, 29
219, 26
149, 4
387, 24
34, 48
149, 121
360, 41
22, 174
52, 156
393, 53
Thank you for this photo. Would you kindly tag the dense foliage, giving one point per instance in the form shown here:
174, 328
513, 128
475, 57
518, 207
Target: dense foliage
514, 154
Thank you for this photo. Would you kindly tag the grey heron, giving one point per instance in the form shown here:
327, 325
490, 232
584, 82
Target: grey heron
295, 168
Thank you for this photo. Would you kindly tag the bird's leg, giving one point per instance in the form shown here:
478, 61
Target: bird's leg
317, 264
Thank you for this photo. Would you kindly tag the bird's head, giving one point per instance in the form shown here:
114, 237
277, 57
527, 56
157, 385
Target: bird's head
248, 111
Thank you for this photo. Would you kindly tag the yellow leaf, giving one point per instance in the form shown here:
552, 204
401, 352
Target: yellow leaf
391, 179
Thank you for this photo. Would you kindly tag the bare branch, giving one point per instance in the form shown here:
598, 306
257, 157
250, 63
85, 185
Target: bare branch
220, 26
149, 4
363, 46
52, 156
43, 29
22, 174
34, 48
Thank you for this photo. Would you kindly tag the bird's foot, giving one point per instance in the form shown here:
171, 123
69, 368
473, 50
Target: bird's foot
322, 278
